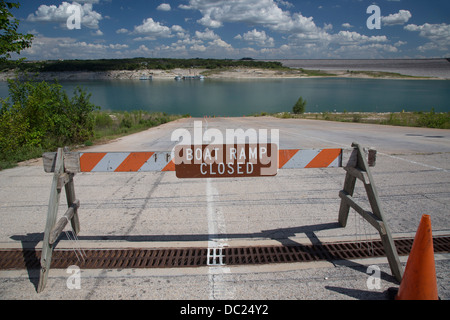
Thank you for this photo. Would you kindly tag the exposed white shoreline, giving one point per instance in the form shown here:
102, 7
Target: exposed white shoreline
233, 73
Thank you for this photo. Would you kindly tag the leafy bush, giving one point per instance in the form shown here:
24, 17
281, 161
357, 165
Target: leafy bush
434, 120
103, 120
127, 121
41, 115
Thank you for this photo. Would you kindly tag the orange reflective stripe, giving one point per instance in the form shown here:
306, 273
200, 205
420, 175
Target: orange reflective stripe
324, 158
285, 155
134, 161
88, 161
170, 166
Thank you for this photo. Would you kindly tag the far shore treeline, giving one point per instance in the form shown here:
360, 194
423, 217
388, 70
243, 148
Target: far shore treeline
100, 65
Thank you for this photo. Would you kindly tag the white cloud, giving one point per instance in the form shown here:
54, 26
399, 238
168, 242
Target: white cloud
117, 46
344, 44
52, 13
207, 35
397, 18
177, 28
198, 47
152, 30
188, 41
429, 46
257, 37
184, 7
287, 4
297, 23
264, 13
180, 32
220, 43
69, 48
437, 34
347, 25
434, 32
327, 26
164, 7
300, 39
351, 37
400, 43
208, 22
185, 48
217, 12
98, 32
301, 32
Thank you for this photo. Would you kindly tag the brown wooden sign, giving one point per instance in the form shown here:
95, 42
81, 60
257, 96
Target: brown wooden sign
226, 161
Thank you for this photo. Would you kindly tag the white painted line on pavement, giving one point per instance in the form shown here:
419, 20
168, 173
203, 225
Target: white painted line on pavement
218, 287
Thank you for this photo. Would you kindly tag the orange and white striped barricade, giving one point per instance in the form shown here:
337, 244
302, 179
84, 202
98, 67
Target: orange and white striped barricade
64, 165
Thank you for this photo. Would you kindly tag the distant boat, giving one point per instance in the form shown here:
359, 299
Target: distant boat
199, 77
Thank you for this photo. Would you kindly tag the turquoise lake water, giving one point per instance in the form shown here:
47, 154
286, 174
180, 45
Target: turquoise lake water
213, 97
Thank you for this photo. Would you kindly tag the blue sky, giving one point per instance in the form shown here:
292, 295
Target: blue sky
263, 29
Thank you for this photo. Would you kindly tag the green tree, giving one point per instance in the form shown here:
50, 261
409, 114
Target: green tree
41, 115
10, 39
299, 107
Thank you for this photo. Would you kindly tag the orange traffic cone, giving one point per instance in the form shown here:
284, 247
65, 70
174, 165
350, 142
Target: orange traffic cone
419, 280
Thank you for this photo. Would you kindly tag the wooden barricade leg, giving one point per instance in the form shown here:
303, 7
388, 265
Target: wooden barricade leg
52, 228
71, 200
349, 187
376, 217
53, 204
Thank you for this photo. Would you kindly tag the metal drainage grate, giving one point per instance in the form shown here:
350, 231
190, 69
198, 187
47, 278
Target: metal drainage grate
194, 257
